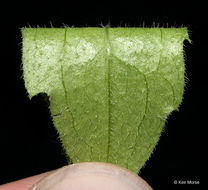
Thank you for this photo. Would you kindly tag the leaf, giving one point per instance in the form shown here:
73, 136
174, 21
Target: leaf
111, 89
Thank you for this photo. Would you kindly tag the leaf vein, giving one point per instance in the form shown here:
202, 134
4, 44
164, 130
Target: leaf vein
66, 94
109, 93
142, 120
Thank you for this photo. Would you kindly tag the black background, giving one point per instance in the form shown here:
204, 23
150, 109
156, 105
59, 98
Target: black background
29, 143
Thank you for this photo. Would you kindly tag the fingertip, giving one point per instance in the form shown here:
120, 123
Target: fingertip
23, 184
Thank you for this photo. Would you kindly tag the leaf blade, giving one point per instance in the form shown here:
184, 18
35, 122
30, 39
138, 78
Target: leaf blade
111, 89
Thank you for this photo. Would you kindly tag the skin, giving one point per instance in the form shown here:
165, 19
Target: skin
82, 176
24, 184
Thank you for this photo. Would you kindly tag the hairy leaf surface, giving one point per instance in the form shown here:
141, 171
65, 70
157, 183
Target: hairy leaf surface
110, 89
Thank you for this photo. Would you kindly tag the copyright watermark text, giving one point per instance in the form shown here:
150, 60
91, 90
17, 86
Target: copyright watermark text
186, 182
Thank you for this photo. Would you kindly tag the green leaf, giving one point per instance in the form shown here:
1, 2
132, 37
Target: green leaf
111, 89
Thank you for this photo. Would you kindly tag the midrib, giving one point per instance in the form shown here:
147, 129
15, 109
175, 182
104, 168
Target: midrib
108, 50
